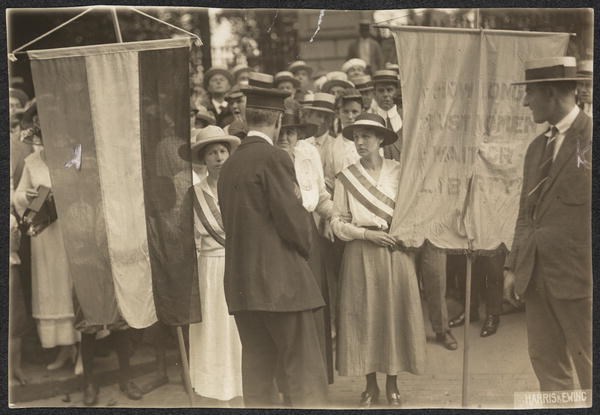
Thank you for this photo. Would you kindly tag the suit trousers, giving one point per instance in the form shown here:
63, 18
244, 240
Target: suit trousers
559, 332
431, 270
287, 338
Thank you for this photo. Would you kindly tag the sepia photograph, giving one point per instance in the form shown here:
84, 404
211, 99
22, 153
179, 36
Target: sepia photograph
299, 208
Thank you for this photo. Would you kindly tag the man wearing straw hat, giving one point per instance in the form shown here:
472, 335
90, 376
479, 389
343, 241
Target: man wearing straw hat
549, 266
269, 286
584, 87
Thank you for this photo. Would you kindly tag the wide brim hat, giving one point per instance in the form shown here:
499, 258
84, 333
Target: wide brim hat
351, 63
585, 69
217, 70
372, 122
203, 137
553, 69
292, 120
363, 83
321, 101
336, 78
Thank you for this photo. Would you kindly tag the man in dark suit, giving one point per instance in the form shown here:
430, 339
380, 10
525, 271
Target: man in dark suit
269, 286
549, 267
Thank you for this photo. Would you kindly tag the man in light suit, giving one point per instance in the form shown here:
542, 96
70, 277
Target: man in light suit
269, 286
549, 266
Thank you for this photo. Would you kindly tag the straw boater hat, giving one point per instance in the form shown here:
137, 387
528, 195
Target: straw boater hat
351, 94
392, 67
291, 119
351, 63
555, 69
298, 65
217, 70
260, 93
363, 83
385, 76
209, 135
203, 114
323, 102
373, 122
585, 68
286, 76
307, 99
336, 78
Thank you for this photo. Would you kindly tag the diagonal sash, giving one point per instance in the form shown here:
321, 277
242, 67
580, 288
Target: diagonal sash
367, 194
210, 216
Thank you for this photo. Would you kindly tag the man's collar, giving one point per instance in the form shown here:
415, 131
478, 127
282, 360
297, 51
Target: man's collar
261, 135
564, 124
389, 113
218, 104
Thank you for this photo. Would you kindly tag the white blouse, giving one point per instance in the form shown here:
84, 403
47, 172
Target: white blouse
309, 173
350, 216
339, 155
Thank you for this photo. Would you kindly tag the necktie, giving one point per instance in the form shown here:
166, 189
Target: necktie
388, 122
222, 108
545, 164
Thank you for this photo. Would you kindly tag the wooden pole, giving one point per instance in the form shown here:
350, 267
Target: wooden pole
465, 374
115, 19
185, 366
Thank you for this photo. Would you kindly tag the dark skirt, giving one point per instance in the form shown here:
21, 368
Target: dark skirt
18, 321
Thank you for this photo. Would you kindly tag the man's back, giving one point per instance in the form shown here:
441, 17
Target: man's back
268, 232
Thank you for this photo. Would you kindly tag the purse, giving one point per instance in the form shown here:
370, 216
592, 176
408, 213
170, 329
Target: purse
40, 213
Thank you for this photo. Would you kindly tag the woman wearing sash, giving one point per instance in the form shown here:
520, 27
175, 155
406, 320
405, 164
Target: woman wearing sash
315, 199
380, 322
215, 348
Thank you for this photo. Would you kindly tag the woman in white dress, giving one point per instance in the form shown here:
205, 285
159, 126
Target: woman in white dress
215, 347
316, 200
380, 322
52, 301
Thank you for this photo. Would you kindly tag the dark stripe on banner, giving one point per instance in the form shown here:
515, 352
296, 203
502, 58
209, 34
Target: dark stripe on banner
369, 186
168, 192
363, 200
214, 209
61, 88
206, 223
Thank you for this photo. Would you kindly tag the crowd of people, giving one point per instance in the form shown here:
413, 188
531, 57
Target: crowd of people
296, 175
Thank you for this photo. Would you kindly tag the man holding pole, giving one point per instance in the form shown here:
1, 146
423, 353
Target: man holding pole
549, 267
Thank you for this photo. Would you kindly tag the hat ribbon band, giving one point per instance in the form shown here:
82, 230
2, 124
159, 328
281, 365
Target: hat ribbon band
550, 72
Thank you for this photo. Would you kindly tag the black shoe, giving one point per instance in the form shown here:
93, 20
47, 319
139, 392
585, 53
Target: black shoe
490, 325
447, 340
132, 391
459, 320
90, 394
393, 398
367, 399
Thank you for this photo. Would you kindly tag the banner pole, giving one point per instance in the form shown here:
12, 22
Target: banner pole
115, 19
465, 373
185, 366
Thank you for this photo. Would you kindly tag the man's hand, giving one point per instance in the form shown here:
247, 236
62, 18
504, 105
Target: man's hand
509, 289
380, 238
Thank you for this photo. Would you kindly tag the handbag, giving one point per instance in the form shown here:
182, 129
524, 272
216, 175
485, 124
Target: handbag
40, 213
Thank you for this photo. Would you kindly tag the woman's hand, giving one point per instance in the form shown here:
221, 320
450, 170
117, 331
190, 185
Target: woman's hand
31, 194
380, 238
327, 231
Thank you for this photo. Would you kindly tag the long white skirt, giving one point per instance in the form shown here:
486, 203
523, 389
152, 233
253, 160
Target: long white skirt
215, 347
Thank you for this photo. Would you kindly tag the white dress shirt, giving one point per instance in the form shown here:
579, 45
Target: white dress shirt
261, 135
392, 113
218, 105
562, 126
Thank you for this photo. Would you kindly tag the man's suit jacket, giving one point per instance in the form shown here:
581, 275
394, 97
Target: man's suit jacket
268, 232
376, 55
222, 119
554, 235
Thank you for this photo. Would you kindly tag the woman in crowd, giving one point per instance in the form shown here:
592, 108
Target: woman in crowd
215, 348
380, 322
52, 304
315, 199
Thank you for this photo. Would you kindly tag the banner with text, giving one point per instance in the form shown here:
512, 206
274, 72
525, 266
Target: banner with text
465, 134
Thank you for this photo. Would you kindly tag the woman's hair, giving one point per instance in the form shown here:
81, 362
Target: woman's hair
202, 153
